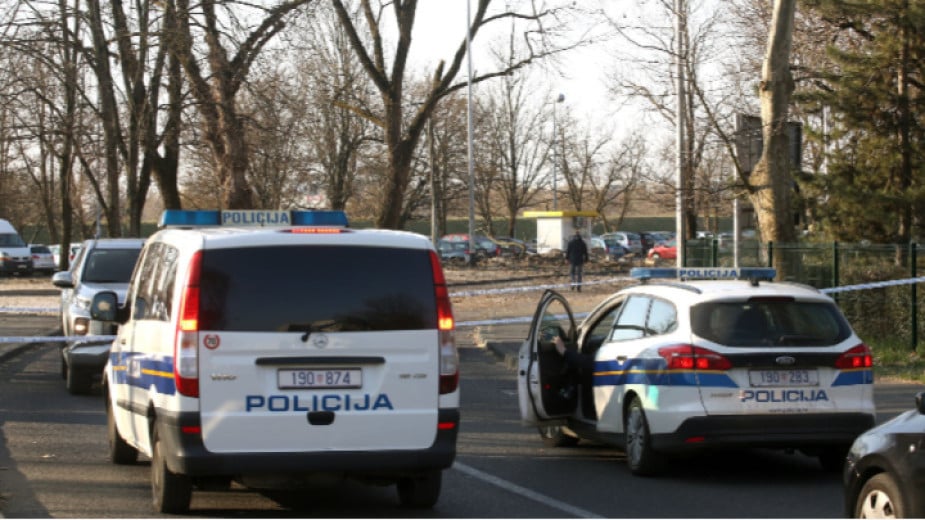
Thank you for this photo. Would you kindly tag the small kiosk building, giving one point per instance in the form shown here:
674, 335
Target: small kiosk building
554, 228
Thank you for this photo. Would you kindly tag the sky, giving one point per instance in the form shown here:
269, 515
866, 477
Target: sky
442, 25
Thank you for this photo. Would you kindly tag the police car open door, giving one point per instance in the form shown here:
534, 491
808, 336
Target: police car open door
546, 387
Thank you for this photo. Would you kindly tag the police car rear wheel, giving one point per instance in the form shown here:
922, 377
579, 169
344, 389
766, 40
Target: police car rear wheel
421, 491
171, 492
555, 437
640, 457
120, 452
879, 498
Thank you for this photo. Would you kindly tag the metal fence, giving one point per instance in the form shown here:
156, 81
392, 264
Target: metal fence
889, 314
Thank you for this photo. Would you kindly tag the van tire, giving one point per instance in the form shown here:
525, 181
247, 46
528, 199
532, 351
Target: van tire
171, 492
120, 452
77, 382
420, 491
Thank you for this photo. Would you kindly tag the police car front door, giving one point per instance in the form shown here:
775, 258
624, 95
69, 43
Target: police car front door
544, 380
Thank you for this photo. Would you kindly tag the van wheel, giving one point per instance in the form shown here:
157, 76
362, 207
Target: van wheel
77, 382
640, 457
554, 437
120, 452
171, 492
420, 491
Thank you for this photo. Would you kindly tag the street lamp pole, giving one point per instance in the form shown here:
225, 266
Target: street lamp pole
469, 134
555, 154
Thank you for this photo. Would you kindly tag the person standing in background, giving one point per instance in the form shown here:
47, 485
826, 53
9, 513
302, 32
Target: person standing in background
576, 254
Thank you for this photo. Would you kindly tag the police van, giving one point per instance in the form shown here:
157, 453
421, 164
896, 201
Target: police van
272, 347
707, 358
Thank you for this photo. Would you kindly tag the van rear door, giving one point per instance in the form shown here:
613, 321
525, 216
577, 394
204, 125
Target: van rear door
317, 347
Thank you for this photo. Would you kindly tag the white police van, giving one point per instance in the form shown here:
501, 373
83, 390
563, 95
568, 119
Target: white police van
670, 366
281, 347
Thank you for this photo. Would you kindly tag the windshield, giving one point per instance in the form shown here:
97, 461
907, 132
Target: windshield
11, 240
761, 323
110, 265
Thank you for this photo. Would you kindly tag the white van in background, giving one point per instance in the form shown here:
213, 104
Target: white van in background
15, 256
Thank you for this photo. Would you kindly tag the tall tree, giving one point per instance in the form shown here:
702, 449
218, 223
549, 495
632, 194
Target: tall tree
770, 184
230, 45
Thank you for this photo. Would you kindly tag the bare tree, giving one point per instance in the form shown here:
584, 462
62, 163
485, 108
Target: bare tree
369, 44
215, 80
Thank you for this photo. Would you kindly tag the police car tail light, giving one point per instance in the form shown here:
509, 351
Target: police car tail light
446, 330
689, 357
186, 345
857, 357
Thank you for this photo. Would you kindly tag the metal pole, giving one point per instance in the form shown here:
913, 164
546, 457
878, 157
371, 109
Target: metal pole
914, 308
555, 152
433, 182
469, 135
679, 120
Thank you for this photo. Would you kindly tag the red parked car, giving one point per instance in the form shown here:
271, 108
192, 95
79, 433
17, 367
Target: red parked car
667, 250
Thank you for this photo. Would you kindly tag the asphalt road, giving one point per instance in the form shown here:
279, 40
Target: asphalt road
53, 464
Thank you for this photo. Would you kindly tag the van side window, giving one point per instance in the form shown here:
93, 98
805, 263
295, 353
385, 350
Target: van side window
145, 274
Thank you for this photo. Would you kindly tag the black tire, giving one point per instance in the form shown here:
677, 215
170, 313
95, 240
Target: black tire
421, 491
171, 492
555, 437
63, 367
879, 498
78, 382
640, 457
120, 452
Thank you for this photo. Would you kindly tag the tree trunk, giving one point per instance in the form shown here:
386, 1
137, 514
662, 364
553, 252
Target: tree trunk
770, 184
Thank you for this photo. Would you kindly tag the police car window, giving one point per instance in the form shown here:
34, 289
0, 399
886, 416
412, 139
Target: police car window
632, 321
663, 317
601, 329
316, 288
141, 300
770, 323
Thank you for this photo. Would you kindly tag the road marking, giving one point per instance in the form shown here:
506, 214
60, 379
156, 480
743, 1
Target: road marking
524, 492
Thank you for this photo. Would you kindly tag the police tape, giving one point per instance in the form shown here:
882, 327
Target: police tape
530, 288
872, 285
474, 323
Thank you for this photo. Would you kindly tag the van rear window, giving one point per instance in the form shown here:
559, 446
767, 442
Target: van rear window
316, 288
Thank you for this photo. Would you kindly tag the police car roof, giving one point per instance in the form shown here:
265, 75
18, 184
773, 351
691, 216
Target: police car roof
702, 290
220, 237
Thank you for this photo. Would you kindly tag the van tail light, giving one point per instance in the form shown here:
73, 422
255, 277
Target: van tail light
186, 345
689, 357
857, 357
446, 330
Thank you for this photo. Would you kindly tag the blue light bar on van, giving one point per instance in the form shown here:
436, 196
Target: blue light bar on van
255, 218
704, 273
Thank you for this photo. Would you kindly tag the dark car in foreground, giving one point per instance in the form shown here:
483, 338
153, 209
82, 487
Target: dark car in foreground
884, 473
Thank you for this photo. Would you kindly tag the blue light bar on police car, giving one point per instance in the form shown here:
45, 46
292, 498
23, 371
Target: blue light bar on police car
704, 273
250, 218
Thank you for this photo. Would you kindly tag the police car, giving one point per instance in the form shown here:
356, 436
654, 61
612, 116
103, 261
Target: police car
281, 347
669, 366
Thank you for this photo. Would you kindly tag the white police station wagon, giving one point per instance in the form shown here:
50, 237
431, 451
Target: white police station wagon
670, 366
278, 348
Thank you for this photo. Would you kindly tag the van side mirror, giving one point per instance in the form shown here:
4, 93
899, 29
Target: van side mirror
104, 306
920, 402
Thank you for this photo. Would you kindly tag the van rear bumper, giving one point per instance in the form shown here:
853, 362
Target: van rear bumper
185, 453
